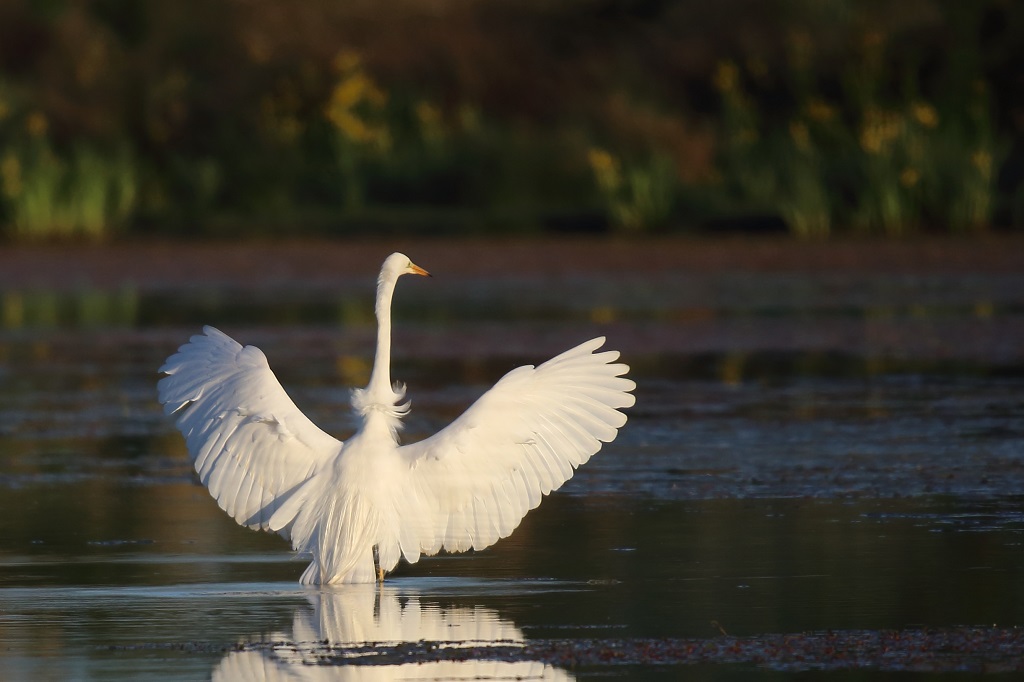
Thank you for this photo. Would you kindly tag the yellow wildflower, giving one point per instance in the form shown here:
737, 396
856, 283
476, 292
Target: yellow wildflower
356, 90
600, 160
36, 124
351, 91
801, 137
820, 111
605, 168
925, 114
982, 160
880, 128
726, 76
428, 114
351, 126
10, 175
431, 123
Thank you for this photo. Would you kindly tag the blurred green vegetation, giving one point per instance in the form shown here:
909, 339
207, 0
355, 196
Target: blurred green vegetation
267, 117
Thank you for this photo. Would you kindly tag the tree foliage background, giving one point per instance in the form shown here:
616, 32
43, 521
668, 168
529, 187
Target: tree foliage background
207, 117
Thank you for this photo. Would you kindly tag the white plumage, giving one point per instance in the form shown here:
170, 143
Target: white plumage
361, 505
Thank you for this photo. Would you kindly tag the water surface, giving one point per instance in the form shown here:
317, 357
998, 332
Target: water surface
809, 453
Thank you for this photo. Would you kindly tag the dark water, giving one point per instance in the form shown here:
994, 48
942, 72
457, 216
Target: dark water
807, 454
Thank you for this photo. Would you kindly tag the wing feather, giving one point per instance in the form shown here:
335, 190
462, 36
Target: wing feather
251, 446
473, 482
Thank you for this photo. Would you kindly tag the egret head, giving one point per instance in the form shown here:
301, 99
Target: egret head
398, 264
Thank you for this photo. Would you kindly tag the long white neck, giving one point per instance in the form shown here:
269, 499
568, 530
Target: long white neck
379, 404
379, 389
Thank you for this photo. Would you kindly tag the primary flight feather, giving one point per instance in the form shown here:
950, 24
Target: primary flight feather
361, 505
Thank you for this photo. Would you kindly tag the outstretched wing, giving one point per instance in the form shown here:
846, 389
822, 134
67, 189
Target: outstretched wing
473, 482
250, 444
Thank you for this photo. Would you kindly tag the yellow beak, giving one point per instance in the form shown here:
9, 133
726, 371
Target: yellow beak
417, 270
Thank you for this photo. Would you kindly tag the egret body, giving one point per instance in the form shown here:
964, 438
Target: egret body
359, 506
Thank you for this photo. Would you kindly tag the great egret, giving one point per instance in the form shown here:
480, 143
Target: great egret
360, 505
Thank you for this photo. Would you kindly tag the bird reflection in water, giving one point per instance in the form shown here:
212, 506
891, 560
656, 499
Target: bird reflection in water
345, 633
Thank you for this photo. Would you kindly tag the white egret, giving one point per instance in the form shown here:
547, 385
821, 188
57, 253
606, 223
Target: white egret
360, 505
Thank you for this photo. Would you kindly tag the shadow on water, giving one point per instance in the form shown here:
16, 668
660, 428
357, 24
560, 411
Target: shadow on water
820, 474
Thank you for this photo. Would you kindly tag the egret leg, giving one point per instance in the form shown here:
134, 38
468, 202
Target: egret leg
376, 565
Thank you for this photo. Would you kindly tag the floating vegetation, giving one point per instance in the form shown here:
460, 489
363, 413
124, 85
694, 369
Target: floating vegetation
82, 308
964, 650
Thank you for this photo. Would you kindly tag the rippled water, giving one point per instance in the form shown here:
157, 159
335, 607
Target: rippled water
807, 454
